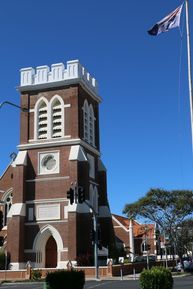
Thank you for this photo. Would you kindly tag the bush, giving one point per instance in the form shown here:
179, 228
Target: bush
2, 260
36, 274
65, 280
156, 278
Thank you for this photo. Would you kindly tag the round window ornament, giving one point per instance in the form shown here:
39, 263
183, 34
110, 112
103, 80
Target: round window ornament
49, 162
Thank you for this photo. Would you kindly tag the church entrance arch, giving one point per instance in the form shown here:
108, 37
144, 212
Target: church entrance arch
48, 246
51, 253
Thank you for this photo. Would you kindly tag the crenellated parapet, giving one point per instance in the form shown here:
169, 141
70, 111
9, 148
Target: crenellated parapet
57, 74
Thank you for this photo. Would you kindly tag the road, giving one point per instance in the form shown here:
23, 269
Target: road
179, 283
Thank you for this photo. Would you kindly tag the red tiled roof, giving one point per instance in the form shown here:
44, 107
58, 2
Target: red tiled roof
138, 229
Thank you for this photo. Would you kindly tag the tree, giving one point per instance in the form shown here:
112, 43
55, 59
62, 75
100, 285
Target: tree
168, 209
183, 237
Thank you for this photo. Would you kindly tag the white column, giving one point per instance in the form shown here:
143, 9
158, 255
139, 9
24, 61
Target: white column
131, 240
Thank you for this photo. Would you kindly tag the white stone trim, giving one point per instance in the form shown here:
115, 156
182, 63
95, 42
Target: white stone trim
77, 154
57, 97
40, 243
45, 222
6, 194
21, 159
44, 171
44, 76
36, 112
48, 179
121, 225
67, 105
17, 209
65, 212
32, 140
43, 201
58, 142
65, 249
42, 211
16, 266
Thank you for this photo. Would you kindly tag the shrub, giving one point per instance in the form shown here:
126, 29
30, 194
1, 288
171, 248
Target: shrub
2, 260
65, 280
36, 274
156, 278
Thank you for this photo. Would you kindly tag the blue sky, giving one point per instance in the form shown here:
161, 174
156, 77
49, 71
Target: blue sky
144, 116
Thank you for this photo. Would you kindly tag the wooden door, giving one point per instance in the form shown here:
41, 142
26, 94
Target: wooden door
51, 253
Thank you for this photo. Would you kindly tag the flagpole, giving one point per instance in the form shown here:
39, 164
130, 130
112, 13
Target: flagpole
189, 68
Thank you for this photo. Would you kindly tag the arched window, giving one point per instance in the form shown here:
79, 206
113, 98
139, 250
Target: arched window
57, 117
7, 203
49, 118
91, 125
86, 121
42, 120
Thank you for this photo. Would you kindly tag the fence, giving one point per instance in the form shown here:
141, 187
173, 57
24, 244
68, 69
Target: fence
104, 271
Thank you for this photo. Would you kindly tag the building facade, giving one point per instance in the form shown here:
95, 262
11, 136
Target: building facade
59, 148
136, 239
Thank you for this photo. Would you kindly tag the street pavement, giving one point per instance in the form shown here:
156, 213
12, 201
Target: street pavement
185, 282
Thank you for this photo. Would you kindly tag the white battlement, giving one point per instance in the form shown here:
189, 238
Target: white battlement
57, 73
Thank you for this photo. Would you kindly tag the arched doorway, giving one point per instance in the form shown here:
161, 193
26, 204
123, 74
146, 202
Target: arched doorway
41, 241
51, 253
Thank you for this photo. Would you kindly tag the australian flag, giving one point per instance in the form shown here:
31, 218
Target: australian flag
170, 21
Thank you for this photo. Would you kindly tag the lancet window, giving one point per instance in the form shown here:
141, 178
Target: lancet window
49, 118
89, 123
42, 120
56, 126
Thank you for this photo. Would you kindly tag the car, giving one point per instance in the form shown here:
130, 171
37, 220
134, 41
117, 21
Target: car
179, 267
138, 259
189, 268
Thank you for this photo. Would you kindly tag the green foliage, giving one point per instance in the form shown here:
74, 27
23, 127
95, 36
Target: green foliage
183, 237
2, 259
65, 280
156, 278
36, 274
166, 208
169, 210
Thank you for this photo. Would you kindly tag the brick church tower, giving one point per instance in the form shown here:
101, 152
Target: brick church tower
59, 145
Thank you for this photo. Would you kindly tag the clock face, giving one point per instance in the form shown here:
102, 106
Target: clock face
49, 162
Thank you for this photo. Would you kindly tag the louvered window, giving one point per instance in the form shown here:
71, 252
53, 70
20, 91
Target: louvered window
91, 126
42, 130
56, 119
86, 122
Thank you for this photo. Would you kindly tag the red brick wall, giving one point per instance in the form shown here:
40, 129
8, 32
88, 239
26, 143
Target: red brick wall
6, 180
68, 94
